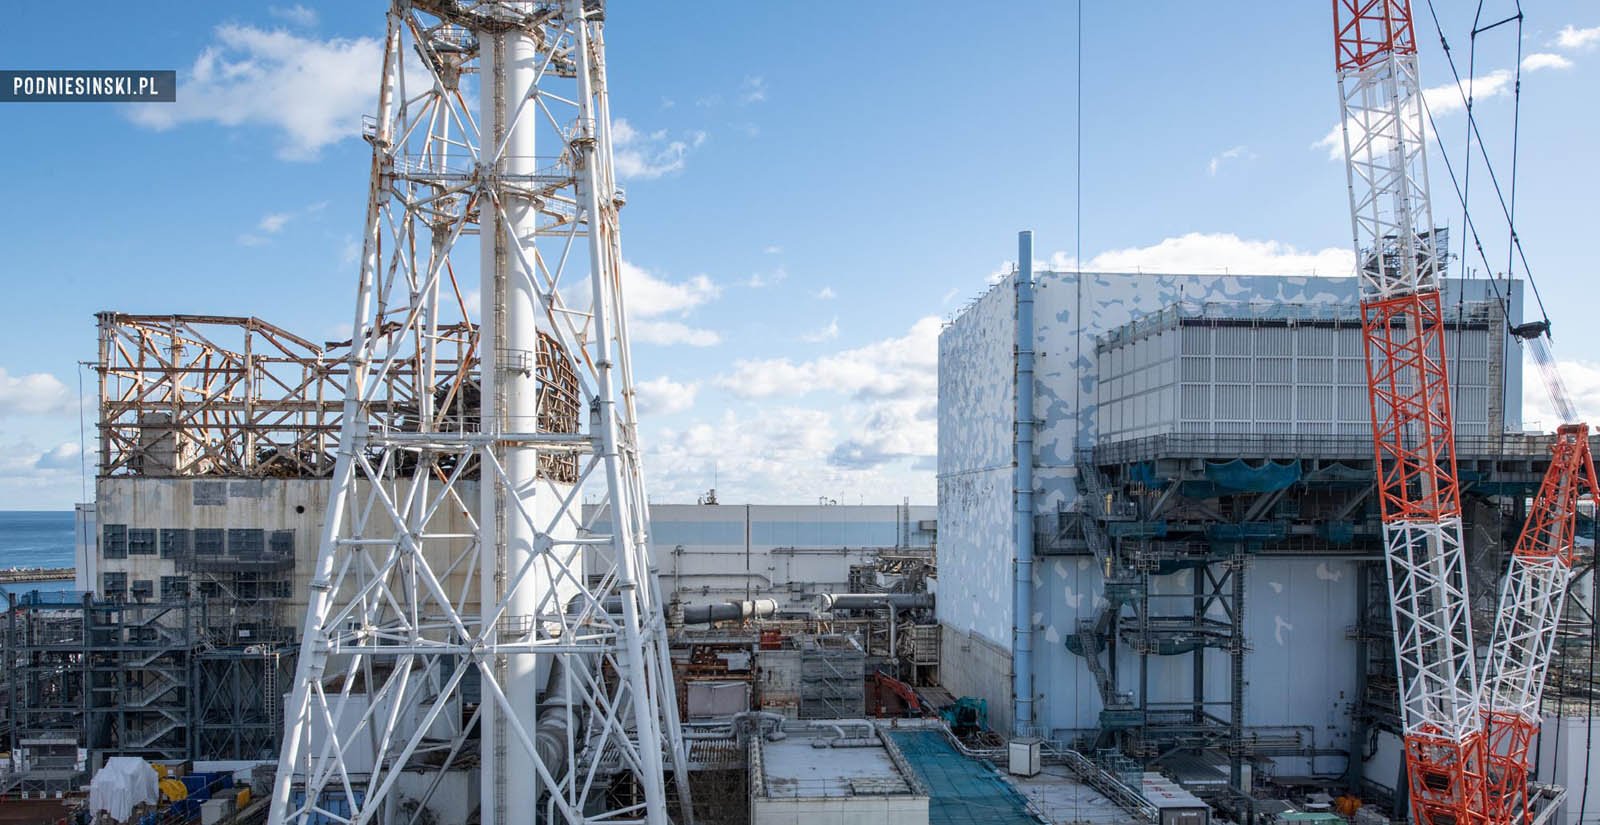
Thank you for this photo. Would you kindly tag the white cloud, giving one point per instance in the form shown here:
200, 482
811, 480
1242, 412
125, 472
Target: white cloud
664, 396
825, 294
669, 333
1545, 60
643, 155
649, 296
903, 367
753, 89
1236, 153
773, 250
64, 456
821, 334
1572, 37
38, 393
765, 279
1582, 379
1448, 99
32, 477
313, 92
890, 431
296, 15
273, 222
1205, 253
950, 295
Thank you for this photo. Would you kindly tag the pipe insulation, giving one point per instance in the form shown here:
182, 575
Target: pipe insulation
1022, 486
873, 601
729, 611
558, 723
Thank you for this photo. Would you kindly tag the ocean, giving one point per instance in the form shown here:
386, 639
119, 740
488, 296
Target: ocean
36, 538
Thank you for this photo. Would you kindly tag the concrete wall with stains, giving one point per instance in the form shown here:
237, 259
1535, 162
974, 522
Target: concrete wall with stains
1300, 670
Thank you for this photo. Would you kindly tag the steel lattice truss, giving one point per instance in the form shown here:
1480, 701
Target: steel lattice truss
185, 395
455, 553
1413, 429
1531, 602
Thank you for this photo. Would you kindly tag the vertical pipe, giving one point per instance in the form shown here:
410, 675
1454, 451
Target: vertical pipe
508, 343
1022, 486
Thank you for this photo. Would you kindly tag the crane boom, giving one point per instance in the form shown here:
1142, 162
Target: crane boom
1531, 601
1412, 424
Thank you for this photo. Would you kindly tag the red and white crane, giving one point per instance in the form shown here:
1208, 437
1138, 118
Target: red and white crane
1531, 602
1412, 424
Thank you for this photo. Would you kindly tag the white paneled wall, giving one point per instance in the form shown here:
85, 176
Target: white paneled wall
1217, 375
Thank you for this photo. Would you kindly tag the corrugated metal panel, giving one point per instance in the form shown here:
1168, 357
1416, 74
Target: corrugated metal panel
1200, 378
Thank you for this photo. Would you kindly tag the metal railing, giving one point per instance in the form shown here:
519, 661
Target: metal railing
1262, 446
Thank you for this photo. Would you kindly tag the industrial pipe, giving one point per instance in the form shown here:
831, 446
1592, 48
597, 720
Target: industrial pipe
556, 720
1022, 486
729, 611
842, 740
873, 601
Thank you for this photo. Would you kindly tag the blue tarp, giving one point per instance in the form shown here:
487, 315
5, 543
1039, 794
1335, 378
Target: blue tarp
1144, 472
1240, 476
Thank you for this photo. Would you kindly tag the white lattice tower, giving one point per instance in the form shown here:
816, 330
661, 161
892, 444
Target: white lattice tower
1413, 428
457, 567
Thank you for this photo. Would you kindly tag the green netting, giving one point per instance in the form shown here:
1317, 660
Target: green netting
1261, 478
961, 791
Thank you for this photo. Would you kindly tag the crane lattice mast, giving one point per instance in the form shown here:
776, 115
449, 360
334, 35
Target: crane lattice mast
1412, 425
1531, 601
467, 611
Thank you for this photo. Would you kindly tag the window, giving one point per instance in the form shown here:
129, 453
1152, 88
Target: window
282, 543
246, 542
143, 589
174, 587
176, 543
208, 541
114, 544
141, 541
113, 585
210, 589
210, 493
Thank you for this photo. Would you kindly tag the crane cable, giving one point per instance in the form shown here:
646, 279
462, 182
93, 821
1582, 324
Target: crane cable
1535, 334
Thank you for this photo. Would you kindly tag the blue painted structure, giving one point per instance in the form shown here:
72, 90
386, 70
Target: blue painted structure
1022, 491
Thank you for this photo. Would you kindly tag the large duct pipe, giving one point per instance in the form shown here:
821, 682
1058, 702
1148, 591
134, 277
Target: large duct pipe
873, 601
729, 611
558, 722
1022, 486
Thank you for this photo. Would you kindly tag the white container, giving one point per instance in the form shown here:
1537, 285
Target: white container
1024, 755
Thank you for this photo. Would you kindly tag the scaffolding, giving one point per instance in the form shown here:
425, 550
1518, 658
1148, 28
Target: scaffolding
138, 674
162, 680
45, 647
1206, 505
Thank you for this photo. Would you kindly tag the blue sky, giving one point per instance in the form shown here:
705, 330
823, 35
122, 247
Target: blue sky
809, 196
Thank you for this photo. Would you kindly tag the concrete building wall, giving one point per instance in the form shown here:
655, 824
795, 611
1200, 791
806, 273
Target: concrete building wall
976, 415
792, 552
715, 553
1300, 670
1297, 610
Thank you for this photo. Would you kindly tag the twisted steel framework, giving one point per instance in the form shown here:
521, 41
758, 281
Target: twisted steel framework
1412, 425
456, 565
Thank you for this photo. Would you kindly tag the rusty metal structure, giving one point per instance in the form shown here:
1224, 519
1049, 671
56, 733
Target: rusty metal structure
238, 397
